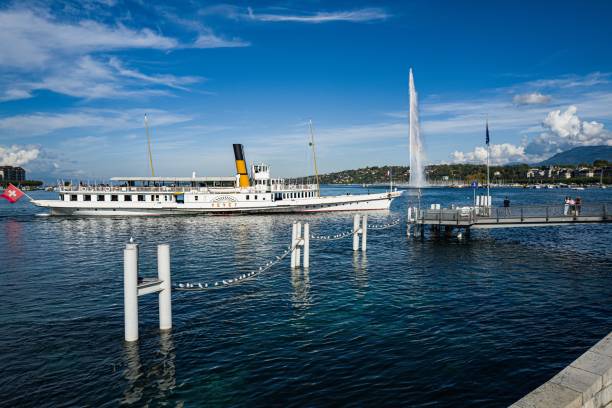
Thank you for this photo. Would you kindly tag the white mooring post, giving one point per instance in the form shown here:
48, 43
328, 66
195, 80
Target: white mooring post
298, 251
165, 295
132, 289
298, 240
364, 233
356, 232
306, 245
363, 230
293, 244
409, 218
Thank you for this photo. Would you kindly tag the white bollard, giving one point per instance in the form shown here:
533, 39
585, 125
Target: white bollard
364, 232
293, 243
130, 292
297, 250
409, 221
356, 232
306, 244
165, 295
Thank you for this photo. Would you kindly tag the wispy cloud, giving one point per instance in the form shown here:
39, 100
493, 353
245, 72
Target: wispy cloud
571, 81
101, 120
168, 80
362, 15
42, 52
211, 40
31, 40
354, 16
91, 78
205, 36
533, 98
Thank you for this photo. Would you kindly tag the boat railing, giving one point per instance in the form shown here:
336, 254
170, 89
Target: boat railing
293, 187
133, 189
100, 189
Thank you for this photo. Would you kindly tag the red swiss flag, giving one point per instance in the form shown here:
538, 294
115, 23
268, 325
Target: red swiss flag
12, 193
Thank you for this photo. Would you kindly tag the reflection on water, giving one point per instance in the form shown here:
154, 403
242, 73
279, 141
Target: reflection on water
300, 281
360, 268
132, 373
459, 323
160, 375
13, 232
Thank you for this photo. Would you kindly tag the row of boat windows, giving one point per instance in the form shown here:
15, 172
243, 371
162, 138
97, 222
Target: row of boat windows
115, 197
155, 197
297, 194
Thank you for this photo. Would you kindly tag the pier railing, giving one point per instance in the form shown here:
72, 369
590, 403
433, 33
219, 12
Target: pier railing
515, 214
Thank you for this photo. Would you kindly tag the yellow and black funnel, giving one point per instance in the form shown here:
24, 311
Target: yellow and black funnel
241, 168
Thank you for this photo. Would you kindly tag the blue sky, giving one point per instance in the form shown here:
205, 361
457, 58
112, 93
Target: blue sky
76, 79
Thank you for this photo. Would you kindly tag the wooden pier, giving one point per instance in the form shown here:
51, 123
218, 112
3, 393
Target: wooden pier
507, 217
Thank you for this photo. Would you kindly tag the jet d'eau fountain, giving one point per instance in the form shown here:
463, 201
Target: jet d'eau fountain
417, 169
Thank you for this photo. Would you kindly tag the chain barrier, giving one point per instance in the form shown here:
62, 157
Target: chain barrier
351, 233
384, 226
332, 237
224, 283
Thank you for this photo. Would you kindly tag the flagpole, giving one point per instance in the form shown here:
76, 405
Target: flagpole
488, 165
146, 122
488, 178
314, 158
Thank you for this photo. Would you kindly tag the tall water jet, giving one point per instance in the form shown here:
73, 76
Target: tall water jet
417, 169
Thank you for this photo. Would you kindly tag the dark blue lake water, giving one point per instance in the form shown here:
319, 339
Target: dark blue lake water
479, 322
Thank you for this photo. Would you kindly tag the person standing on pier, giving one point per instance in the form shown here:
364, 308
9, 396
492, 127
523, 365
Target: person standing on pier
572, 206
578, 205
566, 206
506, 206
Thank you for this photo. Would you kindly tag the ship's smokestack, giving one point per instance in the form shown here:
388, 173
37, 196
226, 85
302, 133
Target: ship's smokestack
241, 168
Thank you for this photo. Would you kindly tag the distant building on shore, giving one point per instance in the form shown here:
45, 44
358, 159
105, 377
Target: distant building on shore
10, 173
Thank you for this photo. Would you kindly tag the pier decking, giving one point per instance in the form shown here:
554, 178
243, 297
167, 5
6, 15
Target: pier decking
507, 217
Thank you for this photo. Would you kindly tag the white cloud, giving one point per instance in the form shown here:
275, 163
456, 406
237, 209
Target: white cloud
42, 52
103, 120
534, 98
171, 81
210, 40
571, 81
17, 155
500, 154
31, 40
90, 78
563, 130
355, 16
566, 124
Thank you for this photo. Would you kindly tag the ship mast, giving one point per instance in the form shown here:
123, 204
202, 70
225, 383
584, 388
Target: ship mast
314, 158
146, 122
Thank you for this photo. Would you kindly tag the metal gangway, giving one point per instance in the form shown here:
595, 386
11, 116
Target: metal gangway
508, 217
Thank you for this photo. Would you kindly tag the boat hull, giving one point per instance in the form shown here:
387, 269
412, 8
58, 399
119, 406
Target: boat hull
362, 202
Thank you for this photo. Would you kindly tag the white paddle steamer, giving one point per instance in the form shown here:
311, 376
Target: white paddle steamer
239, 194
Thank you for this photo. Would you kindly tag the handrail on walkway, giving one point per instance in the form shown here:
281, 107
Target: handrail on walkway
591, 212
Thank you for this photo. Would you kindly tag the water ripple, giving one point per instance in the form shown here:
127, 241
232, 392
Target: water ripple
444, 323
